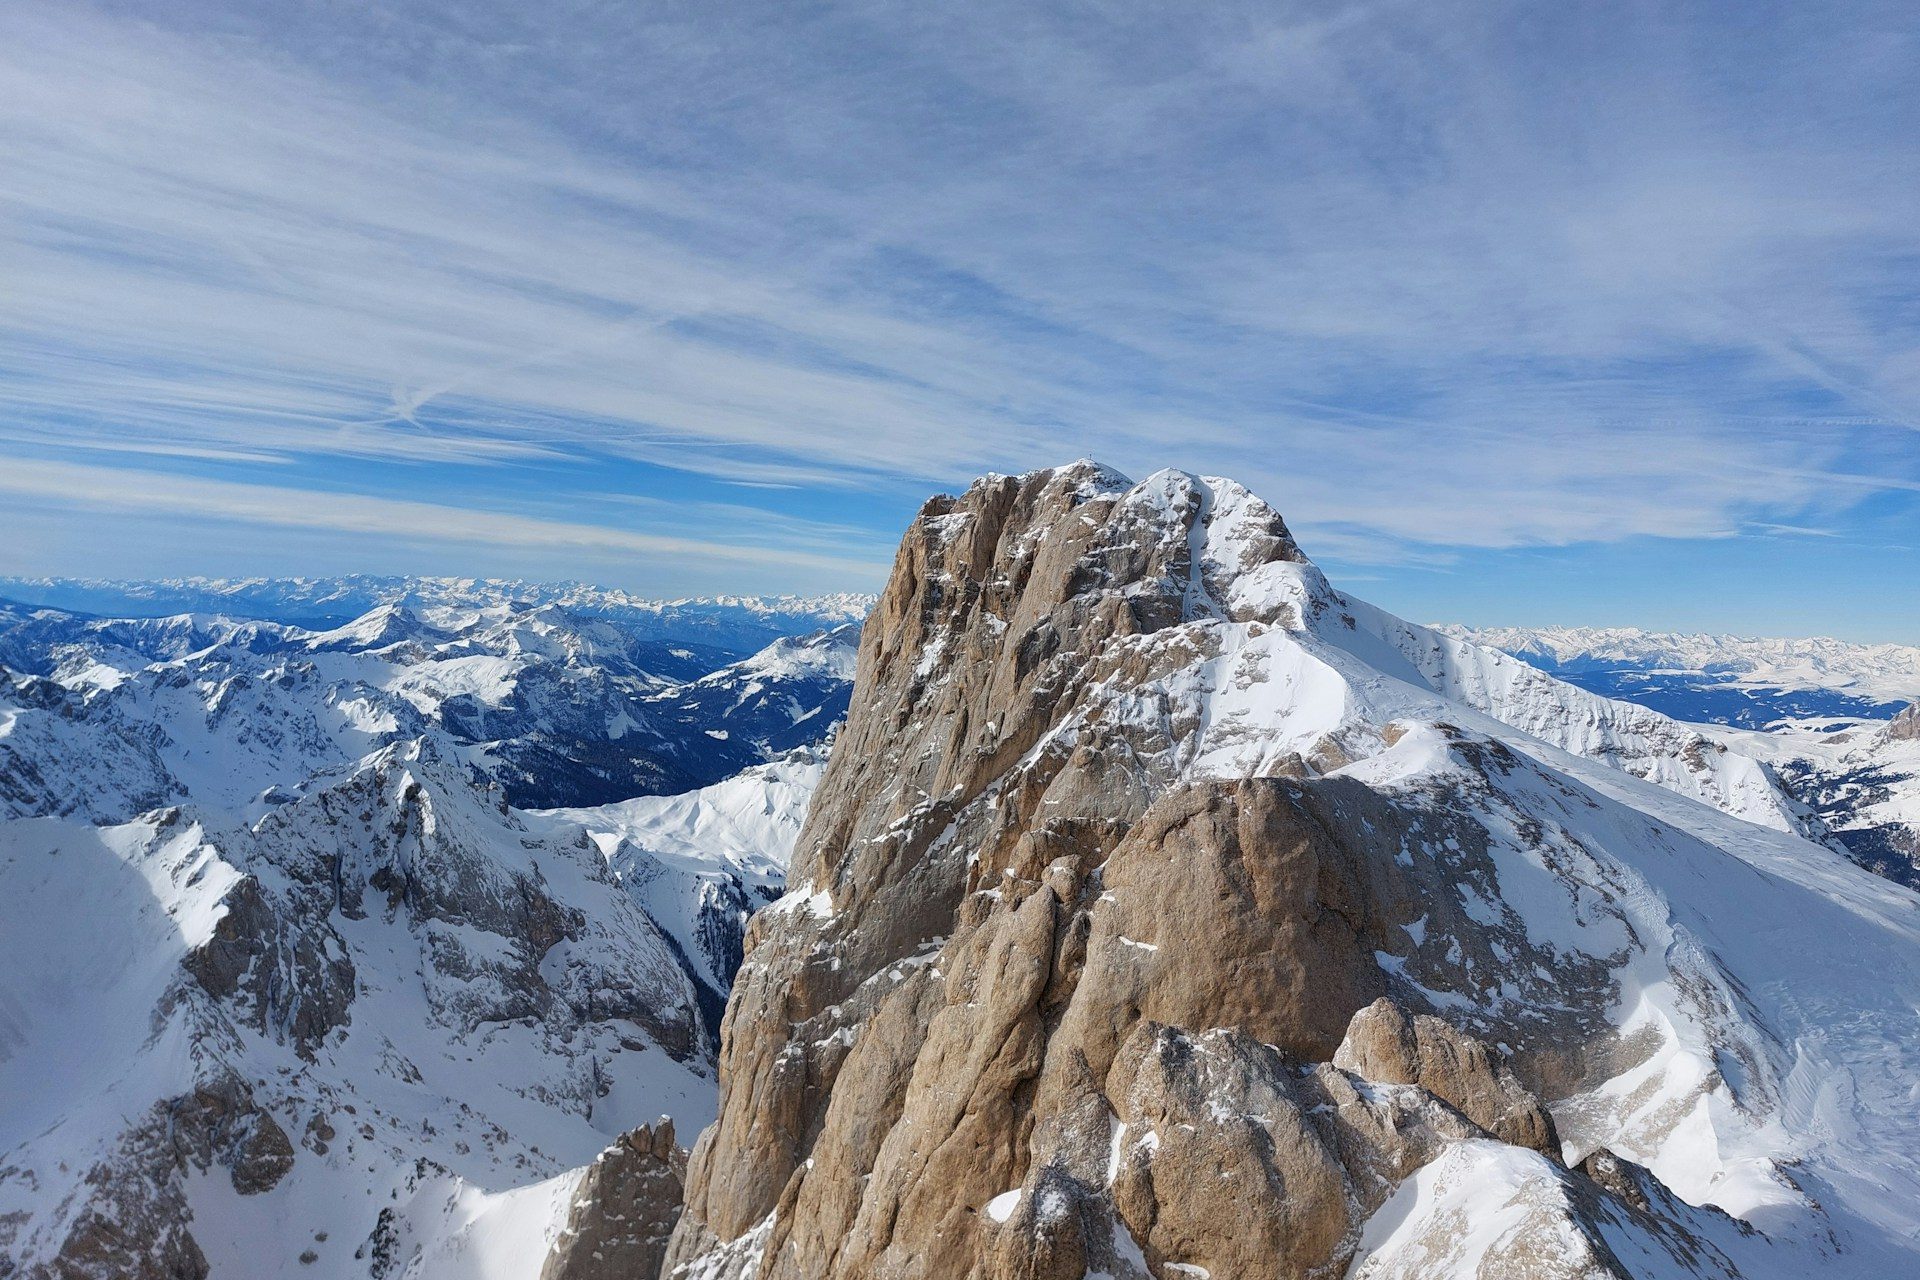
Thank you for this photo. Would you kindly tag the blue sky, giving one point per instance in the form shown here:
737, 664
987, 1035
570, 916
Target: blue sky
1520, 313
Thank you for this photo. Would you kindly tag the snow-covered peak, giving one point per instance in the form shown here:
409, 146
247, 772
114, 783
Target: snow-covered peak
744, 826
828, 655
1302, 670
378, 628
1622, 734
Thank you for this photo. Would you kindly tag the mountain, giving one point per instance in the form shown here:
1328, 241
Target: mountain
704, 861
1164, 911
738, 623
289, 987
349, 1035
1861, 777
779, 699
557, 707
1729, 680
1155, 910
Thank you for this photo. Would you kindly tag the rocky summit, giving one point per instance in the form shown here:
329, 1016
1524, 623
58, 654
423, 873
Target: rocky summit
1165, 912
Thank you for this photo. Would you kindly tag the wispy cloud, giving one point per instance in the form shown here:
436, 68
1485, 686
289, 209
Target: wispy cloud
1791, 531
113, 489
1431, 277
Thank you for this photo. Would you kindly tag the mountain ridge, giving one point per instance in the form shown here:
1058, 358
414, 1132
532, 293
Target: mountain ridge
290, 988
1143, 853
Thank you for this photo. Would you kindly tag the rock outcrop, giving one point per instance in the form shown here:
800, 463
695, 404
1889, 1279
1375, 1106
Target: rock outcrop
1384, 1044
623, 1210
137, 1224
1067, 979
1905, 727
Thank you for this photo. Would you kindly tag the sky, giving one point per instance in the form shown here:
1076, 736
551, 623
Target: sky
1583, 313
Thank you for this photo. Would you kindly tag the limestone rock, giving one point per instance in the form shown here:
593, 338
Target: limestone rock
1218, 1130
1052, 994
284, 979
1383, 1043
623, 1210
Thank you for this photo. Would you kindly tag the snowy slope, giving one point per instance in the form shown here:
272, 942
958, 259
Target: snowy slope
253, 1042
1861, 777
1815, 711
1630, 737
702, 862
1762, 980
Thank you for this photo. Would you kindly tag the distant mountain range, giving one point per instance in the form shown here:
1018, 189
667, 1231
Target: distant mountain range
739, 623
1719, 679
558, 706
1836, 720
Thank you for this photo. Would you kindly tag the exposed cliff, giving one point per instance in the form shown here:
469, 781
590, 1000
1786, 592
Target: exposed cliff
1132, 816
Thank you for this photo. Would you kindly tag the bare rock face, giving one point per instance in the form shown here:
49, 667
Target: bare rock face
1384, 1044
970, 657
136, 1224
1905, 727
297, 982
1047, 997
396, 839
623, 1210
1223, 1129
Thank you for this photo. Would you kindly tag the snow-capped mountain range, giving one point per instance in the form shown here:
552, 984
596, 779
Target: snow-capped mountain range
287, 984
741, 623
558, 707
1862, 778
345, 923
